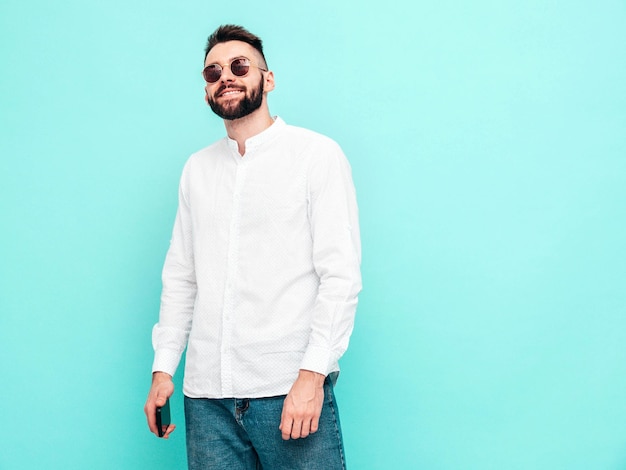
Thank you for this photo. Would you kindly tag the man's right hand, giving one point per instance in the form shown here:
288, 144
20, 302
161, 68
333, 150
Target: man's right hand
162, 388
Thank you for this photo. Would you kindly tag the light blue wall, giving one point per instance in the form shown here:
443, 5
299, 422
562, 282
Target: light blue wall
488, 145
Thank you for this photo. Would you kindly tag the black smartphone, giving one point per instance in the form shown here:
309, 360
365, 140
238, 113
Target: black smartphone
163, 417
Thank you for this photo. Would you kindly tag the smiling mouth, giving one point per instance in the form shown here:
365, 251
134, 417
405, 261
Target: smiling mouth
230, 93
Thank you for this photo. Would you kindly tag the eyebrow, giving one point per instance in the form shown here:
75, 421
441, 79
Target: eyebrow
231, 59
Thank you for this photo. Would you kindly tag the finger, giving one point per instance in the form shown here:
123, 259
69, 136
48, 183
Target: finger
150, 411
315, 424
285, 428
296, 430
170, 430
160, 400
285, 423
306, 427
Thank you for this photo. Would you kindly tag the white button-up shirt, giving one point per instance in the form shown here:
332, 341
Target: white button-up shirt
263, 271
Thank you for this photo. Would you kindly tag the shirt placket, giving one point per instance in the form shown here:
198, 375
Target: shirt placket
230, 290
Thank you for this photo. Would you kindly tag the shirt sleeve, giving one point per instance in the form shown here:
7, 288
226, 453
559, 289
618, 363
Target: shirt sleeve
333, 215
170, 334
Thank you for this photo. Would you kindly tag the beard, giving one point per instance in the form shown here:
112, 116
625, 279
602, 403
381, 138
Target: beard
248, 104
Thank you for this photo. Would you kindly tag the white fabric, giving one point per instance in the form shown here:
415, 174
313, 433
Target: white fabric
263, 270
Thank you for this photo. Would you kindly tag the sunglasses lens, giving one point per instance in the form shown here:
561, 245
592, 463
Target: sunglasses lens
212, 73
240, 67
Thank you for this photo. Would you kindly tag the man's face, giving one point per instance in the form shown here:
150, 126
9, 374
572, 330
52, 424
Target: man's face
233, 97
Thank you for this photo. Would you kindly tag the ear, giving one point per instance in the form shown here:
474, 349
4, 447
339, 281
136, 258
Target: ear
269, 81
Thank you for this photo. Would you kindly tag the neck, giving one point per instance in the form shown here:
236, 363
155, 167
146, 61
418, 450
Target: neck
248, 126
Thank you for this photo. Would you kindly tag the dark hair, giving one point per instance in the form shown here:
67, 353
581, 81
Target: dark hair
233, 32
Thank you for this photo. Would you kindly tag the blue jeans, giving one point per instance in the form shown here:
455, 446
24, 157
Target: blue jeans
243, 434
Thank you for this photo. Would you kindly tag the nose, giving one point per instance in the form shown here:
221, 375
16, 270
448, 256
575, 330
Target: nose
227, 74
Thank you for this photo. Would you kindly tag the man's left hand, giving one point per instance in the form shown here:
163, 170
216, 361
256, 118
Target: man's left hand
303, 406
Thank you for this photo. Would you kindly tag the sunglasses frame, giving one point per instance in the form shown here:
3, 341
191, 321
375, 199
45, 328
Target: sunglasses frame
230, 66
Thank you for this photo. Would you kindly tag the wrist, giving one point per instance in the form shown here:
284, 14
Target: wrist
310, 376
158, 377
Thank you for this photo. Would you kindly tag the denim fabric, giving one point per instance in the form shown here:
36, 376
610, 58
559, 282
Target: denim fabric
243, 434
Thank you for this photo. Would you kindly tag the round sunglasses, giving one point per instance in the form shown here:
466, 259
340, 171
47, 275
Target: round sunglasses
239, 67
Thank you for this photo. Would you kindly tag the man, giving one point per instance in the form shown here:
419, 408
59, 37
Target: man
260, 282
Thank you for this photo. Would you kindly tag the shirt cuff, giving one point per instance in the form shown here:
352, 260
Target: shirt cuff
318, 359
166, 360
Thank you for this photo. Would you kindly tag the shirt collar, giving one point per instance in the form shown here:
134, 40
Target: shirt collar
261, 138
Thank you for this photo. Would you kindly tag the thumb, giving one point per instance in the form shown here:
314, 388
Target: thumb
160, 400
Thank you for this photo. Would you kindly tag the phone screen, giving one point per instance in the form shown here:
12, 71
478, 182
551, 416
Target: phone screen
163, 417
